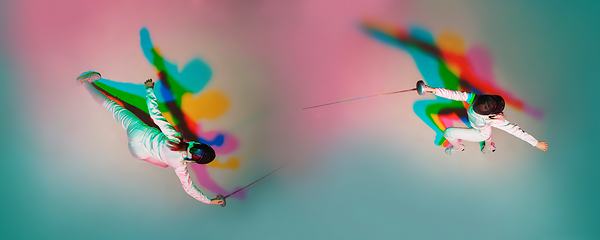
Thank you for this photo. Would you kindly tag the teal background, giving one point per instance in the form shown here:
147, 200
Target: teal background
361, 170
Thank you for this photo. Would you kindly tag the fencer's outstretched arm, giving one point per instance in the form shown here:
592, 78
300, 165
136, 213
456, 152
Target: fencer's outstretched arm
165, 127
188, 185
190, 189
516, 131
451, 94
501, 123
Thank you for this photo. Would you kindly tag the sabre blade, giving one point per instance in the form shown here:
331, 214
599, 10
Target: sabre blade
408, 90
254, 181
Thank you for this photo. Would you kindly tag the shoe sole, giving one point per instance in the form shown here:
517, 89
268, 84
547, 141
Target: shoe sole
89, 76
451, 152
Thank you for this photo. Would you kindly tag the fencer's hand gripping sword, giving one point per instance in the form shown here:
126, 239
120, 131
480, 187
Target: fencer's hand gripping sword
420, 89
221, 197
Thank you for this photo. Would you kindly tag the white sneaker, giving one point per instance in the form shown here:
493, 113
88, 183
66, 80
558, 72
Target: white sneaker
89, 76
490, 148
451, 150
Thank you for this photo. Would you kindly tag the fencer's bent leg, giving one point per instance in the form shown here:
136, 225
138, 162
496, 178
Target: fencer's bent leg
453, 134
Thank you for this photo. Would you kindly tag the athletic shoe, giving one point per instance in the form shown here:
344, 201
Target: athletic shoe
451, 150
89, 76
490, 148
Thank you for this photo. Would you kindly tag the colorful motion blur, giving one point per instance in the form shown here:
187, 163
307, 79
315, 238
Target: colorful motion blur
445, 63
175, 95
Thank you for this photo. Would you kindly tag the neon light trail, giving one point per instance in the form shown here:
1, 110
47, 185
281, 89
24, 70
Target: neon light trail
175, 94
445, 63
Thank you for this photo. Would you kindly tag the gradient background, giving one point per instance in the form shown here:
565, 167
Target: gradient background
362, 170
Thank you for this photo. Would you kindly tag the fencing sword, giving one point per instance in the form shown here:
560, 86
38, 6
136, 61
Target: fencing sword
221, 197
420, 90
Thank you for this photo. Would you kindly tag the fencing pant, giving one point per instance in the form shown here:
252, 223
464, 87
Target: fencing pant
454, 134
136, 129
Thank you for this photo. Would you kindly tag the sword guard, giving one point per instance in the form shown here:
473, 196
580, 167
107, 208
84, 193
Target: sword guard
421, 87
220, 197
